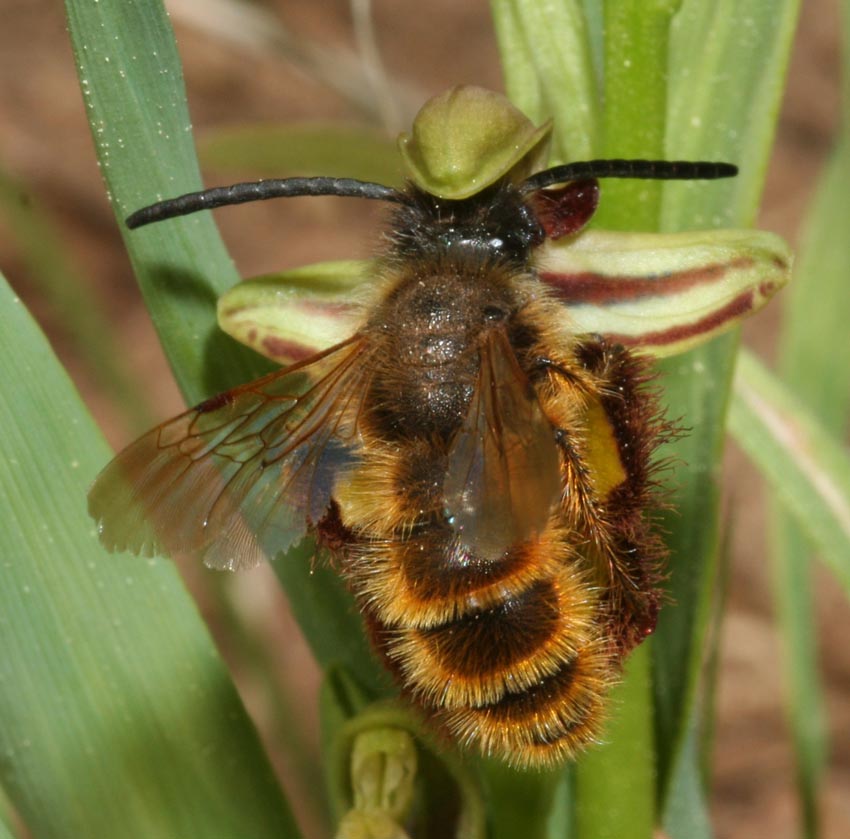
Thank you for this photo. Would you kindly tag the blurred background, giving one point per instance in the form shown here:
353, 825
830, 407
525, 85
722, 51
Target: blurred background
279, 61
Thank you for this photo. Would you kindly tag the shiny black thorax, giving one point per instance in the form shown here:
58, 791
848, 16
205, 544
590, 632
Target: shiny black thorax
455, 269
495, 224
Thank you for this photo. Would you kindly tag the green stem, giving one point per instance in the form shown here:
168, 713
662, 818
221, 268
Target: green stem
633, 122
615, 783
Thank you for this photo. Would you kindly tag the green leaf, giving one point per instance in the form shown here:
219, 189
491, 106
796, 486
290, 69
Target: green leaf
548, 70
810, 473
807, 467
328, 616
794, 605
10, 823
713, 114
135, 102
81, 313
132, 86
813, 360
118, 718
687, 812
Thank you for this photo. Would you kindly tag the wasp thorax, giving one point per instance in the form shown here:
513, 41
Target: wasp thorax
497, 225
431, 325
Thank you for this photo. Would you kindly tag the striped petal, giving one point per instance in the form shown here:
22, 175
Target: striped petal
290, 316
664, 293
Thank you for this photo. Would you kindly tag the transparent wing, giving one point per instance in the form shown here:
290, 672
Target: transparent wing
503, 470
241, 476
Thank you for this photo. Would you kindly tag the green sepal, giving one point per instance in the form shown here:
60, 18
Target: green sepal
664, 293
289, 316
467, 138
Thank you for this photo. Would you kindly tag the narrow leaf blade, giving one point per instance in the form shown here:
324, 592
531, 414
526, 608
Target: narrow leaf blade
807, 467
713, 114
132, 86
117, 717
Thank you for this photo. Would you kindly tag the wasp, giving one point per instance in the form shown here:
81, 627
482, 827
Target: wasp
481, 464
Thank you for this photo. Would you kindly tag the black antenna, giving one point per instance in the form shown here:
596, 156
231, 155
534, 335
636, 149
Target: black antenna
221, 196
662, 170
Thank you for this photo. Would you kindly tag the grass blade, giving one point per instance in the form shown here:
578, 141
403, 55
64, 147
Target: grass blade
329, 618
117, 717
813, 359
713, 114
807, 467
687, 812
133, 90
795, 613
132, 85
810, 474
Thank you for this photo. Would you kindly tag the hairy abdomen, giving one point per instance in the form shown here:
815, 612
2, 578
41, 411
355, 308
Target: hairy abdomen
507, 655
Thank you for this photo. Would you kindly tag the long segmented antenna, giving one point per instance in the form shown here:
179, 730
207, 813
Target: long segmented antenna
221, 196
242, 193
662, 170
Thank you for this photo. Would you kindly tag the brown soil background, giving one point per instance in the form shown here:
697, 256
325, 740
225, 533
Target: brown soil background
45, 146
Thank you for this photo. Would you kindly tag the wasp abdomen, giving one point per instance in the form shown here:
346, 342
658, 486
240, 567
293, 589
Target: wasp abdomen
523, 678
506, 653
426, 580
545, 723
